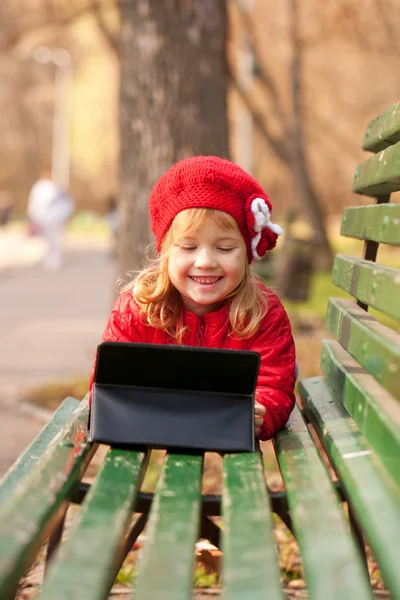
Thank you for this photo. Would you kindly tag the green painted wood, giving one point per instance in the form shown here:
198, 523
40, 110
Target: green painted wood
27, 517
375, 411
32, 454
326, 544
375, 346
81, 571
380, 174
373, 284
376, 222
375, 497
250, 563
166, 569
384, 130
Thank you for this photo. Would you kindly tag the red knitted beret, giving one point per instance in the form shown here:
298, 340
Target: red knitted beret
212, 182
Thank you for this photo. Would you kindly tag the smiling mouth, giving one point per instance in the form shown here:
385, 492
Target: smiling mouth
205, 280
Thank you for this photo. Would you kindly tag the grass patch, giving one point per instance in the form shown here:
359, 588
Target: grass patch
321, 289
50, 395
89, 223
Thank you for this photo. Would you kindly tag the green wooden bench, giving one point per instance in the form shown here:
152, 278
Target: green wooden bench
339, 458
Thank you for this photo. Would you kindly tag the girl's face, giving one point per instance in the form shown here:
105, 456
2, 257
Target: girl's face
206, 265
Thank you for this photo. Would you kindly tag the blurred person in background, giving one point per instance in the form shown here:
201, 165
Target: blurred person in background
49, 208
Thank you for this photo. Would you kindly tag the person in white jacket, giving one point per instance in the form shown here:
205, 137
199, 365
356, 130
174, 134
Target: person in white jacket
49, 208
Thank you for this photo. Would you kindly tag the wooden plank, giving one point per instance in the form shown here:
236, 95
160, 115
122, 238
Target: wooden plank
311, 498
384, 130
380, 174
26, 519
375, 346
376, 222
375, 411
81, 571
250, 563
32, 454
373, 284
166, 568
375, 497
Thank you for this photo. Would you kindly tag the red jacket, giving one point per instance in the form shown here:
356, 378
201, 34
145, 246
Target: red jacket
273, 342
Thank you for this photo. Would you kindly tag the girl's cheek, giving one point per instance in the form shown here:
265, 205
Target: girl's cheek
239, 262
181, 260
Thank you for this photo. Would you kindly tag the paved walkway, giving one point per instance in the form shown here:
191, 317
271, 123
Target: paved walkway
50, 324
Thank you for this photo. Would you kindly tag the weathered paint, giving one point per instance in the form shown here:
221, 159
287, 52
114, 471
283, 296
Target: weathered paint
373, 284
375, 411
166, 569
375, 497
380, 174
326, 544
376, 222
250, 563
375, 346
84, 569
26, 518
384, 130
33, 453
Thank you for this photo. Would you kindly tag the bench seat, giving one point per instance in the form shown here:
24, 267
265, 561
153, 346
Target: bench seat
104, 531
373, 496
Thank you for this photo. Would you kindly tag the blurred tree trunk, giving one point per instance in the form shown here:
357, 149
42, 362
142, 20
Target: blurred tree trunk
289, 145
297, 151
174, 82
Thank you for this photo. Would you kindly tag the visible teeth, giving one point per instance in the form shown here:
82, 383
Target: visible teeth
205, 279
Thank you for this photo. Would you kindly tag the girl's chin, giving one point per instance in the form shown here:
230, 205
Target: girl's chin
201, 306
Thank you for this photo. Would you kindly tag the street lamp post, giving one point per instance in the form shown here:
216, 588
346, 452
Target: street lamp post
60, 154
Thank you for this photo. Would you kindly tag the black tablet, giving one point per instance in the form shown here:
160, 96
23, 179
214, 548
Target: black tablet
174, 397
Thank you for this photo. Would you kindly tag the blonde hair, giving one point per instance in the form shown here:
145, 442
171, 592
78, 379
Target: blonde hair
160, 302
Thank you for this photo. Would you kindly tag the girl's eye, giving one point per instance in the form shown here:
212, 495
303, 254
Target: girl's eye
188, 248
225, 249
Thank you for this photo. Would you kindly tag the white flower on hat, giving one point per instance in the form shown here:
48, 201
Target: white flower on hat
262, 220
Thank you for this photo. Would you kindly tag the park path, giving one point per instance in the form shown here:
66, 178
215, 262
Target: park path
50, 324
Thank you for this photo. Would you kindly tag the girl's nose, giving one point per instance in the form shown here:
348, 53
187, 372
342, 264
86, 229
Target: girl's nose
205, 258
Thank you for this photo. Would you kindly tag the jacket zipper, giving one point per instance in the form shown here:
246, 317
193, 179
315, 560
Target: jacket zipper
200, 332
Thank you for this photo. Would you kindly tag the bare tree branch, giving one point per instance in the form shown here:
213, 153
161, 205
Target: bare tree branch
261, 72
278, 146
112, 38
50, 19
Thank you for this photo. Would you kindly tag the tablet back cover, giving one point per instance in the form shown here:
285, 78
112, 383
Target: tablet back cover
174, 397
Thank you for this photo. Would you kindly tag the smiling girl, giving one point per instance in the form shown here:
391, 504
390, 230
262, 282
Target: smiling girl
210, 220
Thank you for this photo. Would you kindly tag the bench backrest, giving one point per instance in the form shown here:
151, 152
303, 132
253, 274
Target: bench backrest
363, 365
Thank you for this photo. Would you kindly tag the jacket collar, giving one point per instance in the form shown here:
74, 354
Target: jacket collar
211, 318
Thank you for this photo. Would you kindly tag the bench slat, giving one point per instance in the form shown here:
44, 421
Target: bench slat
29, 458
376, 222
373, 284
85, 567
166, 569
380, 174
27, 517
375, 346
374, 496
250, 563
311, 498
375, 411
384, 130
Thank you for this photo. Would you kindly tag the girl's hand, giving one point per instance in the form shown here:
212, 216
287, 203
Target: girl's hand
259, 412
